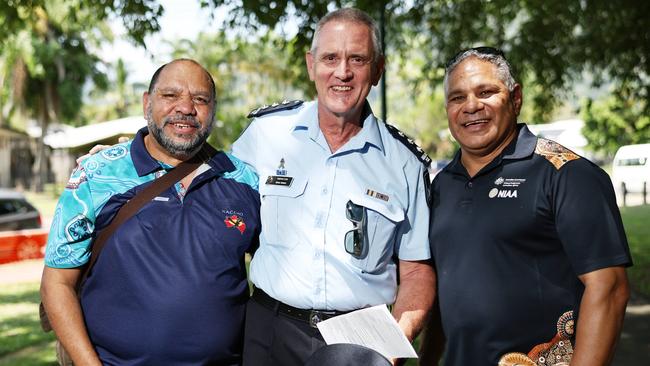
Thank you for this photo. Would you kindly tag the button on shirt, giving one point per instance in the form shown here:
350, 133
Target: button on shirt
305, 187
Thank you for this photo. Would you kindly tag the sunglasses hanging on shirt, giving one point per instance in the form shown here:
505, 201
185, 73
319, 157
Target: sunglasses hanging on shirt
355, 238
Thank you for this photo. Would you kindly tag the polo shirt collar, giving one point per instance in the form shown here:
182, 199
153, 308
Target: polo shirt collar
143, 161
145, 164
307, 121
522, 146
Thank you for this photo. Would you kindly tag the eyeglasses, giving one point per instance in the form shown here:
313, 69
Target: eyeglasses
483, 50
355, 238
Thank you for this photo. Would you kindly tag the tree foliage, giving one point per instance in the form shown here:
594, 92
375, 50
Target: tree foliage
45, 57
551, 43
615, 121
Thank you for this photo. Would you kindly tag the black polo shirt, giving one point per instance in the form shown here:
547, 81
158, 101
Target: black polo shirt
509, 243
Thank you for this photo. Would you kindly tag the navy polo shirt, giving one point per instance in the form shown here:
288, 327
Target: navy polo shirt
170, 287
509, 243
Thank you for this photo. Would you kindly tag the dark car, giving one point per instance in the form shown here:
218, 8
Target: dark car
16, 213
21, 234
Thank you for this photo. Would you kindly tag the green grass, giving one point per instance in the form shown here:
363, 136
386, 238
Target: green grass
22, 342
637, 227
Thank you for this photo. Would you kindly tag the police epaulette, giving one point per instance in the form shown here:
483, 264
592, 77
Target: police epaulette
275, 107
410, 144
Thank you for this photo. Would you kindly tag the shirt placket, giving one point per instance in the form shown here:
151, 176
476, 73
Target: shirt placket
325, 195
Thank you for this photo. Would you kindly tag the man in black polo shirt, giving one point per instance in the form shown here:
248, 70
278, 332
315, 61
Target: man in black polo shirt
523, 232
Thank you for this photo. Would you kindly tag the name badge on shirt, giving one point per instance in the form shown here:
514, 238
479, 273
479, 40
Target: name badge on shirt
279, 180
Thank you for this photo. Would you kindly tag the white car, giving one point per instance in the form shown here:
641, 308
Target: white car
631, 168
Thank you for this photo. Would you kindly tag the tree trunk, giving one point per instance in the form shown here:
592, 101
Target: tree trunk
41, 153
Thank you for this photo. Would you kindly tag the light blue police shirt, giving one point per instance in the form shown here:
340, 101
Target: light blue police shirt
302, 260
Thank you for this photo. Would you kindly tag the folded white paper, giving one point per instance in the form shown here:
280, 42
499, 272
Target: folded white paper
372, 327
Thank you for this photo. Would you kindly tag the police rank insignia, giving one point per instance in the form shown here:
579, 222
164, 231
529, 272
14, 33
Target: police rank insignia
236, 222
275, 107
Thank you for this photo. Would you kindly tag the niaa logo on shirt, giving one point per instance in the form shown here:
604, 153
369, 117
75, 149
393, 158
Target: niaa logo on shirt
502, 193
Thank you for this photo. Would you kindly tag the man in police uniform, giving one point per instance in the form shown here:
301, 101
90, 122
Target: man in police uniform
525, 235
170, 285
343, 195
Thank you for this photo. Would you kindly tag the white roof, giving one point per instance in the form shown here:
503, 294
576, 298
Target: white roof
639, 150
85, 135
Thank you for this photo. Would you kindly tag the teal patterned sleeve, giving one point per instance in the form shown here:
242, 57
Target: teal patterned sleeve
243, 173
72, 225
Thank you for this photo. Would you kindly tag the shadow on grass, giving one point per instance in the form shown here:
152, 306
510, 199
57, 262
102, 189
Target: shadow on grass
28, 296
21, 331
42, 354
20, 328
634, 345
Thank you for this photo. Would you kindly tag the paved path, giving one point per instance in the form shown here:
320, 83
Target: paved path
23, 271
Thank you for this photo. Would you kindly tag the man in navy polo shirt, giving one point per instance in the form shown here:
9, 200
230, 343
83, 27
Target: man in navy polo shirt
526, 236
170, 286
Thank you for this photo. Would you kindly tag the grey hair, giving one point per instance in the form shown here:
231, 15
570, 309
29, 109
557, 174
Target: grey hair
351, 15
503, 68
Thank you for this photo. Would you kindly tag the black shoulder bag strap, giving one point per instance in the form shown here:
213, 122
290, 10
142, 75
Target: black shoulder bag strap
152, 190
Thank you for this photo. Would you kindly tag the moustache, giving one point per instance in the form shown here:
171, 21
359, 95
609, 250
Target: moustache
190, 120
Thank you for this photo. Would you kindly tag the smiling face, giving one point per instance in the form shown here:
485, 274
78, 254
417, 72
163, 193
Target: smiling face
343, 69
482, 113
180, 110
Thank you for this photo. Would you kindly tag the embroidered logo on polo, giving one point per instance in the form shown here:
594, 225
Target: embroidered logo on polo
507, 187
235, 221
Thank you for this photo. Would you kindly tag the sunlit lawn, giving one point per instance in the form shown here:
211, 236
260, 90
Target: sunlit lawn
22, 342
637, 226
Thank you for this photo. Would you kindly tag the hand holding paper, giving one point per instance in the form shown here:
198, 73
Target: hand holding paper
372, 327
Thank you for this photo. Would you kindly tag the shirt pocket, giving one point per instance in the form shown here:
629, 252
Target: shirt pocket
383, 220
281, 212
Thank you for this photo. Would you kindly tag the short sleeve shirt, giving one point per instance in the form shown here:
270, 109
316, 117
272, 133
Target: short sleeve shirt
170, 284
509, 243
305, 188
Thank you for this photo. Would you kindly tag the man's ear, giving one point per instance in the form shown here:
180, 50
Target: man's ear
145, 103
309, 59
516, 95
378, 70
